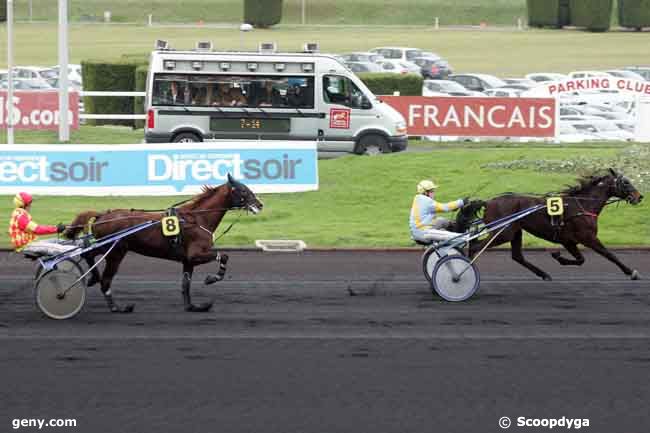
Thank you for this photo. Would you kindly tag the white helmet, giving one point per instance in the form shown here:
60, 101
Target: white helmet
426, 185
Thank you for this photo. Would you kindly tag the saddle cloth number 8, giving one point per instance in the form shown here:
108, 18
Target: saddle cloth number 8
170, 226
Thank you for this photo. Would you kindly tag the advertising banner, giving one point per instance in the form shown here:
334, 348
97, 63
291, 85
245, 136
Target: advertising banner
161, 169
476, 117
38, 109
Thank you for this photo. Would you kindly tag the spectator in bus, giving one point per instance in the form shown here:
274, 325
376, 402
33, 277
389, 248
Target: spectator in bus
270, 96
176, 94
237, 98
222, 99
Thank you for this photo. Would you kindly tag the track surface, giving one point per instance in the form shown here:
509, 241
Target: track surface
334, 342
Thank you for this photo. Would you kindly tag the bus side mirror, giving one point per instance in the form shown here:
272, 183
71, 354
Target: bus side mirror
365, 103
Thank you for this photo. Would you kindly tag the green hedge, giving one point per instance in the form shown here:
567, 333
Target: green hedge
595, 15
553, 13
108, 76
386, 84
140, 86
3, 11
634, 13
262, 13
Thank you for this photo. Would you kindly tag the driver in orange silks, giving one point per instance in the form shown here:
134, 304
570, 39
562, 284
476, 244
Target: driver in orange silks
23, 231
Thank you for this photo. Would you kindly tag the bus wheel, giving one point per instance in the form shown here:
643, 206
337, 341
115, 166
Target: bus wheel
372, 144
186, 137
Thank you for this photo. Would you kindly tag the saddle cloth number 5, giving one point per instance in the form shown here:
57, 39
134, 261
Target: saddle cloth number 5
170, 226
554, 206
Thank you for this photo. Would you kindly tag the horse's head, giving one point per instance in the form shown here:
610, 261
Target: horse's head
242, 197
621, 187
467, 215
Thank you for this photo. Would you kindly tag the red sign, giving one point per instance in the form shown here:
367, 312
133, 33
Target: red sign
340, 118
476, 117
38, 109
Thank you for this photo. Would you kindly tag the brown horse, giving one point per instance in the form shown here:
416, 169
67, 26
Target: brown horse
198, 217
583, 203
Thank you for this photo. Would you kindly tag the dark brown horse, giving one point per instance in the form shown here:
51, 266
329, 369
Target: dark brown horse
583, 203
199, 218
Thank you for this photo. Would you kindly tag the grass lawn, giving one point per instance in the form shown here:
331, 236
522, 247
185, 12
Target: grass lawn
365, 201
504, 53
317, 11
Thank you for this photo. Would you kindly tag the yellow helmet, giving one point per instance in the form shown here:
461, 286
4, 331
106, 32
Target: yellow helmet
426, 185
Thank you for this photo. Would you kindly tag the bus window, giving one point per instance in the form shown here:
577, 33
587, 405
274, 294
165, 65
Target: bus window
170, 90
233, 91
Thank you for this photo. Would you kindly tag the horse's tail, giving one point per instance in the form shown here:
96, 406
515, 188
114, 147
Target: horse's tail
468, 214
79, 223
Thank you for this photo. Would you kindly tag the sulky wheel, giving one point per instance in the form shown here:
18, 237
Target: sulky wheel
431, 257
60, 294
68, 265
455, 278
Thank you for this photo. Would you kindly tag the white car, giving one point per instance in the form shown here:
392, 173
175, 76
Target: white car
521, 82
32, 73
503, 92
74, 72
363, 57
588, 74
405, 54
446, 88
622, 73
569, 134
603, 111
540, 77
399, 67
601, 128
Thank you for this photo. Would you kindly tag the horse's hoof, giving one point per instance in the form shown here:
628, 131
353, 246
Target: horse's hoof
556, 255
211, 279
201, 308
129, 308
547, 278
635, 275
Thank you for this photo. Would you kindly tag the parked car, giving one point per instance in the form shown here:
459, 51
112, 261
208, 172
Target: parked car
358, 67
588, 74
644, 71
398, 53
478, 82
622, 73
23, 84
74, 72
32, 73
599, 127
503, 92
541, 77
446, 88
603, 111
432, 68
364, 57
399, 67
520, 83
570, 134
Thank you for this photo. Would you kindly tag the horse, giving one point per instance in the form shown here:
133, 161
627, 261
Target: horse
579, 224
199, 217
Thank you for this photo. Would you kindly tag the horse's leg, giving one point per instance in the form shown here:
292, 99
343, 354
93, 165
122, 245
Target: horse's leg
113, 261
95, 276
188, 269
595, 244
207, 256
572, 248
518, 256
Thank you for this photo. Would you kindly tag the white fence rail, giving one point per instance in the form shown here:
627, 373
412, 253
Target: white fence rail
112, 116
